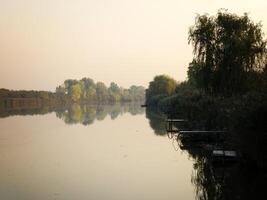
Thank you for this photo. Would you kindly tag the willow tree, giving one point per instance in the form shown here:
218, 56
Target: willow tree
227, 48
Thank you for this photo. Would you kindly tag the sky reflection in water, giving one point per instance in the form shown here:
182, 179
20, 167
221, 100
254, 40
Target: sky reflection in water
43, 157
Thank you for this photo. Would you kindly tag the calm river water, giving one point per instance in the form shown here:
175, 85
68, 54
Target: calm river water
91, 152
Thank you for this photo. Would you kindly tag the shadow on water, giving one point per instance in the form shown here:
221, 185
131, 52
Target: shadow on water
73, 114
220, 179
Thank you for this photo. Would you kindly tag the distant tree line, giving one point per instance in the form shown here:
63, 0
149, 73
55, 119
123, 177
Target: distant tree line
86, 90
13, 100
18, 97
5, 93
81, 91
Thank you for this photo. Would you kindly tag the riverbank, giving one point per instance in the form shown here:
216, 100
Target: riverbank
243, 116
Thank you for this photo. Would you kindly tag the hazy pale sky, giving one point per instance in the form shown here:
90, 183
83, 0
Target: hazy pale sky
44, 42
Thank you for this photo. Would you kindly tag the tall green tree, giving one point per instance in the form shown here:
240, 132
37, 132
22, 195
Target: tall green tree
68, 85
101, 91
114, 92
87, 91
76, 92
226, 49
161, 85
88, 88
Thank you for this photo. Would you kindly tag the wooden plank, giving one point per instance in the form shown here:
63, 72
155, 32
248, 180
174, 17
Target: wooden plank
175, 120
182, 132
230, 153
223, 153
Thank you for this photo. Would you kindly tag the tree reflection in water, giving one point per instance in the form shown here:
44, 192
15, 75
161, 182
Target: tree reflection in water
76, 113
219, 181
227, 180
156, 121
86, 114
213, 180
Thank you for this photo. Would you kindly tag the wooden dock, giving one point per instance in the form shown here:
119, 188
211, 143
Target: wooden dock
194, 132
199, 132
175, 120
193, 136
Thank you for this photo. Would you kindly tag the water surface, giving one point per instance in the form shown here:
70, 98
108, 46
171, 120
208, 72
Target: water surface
91, 152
